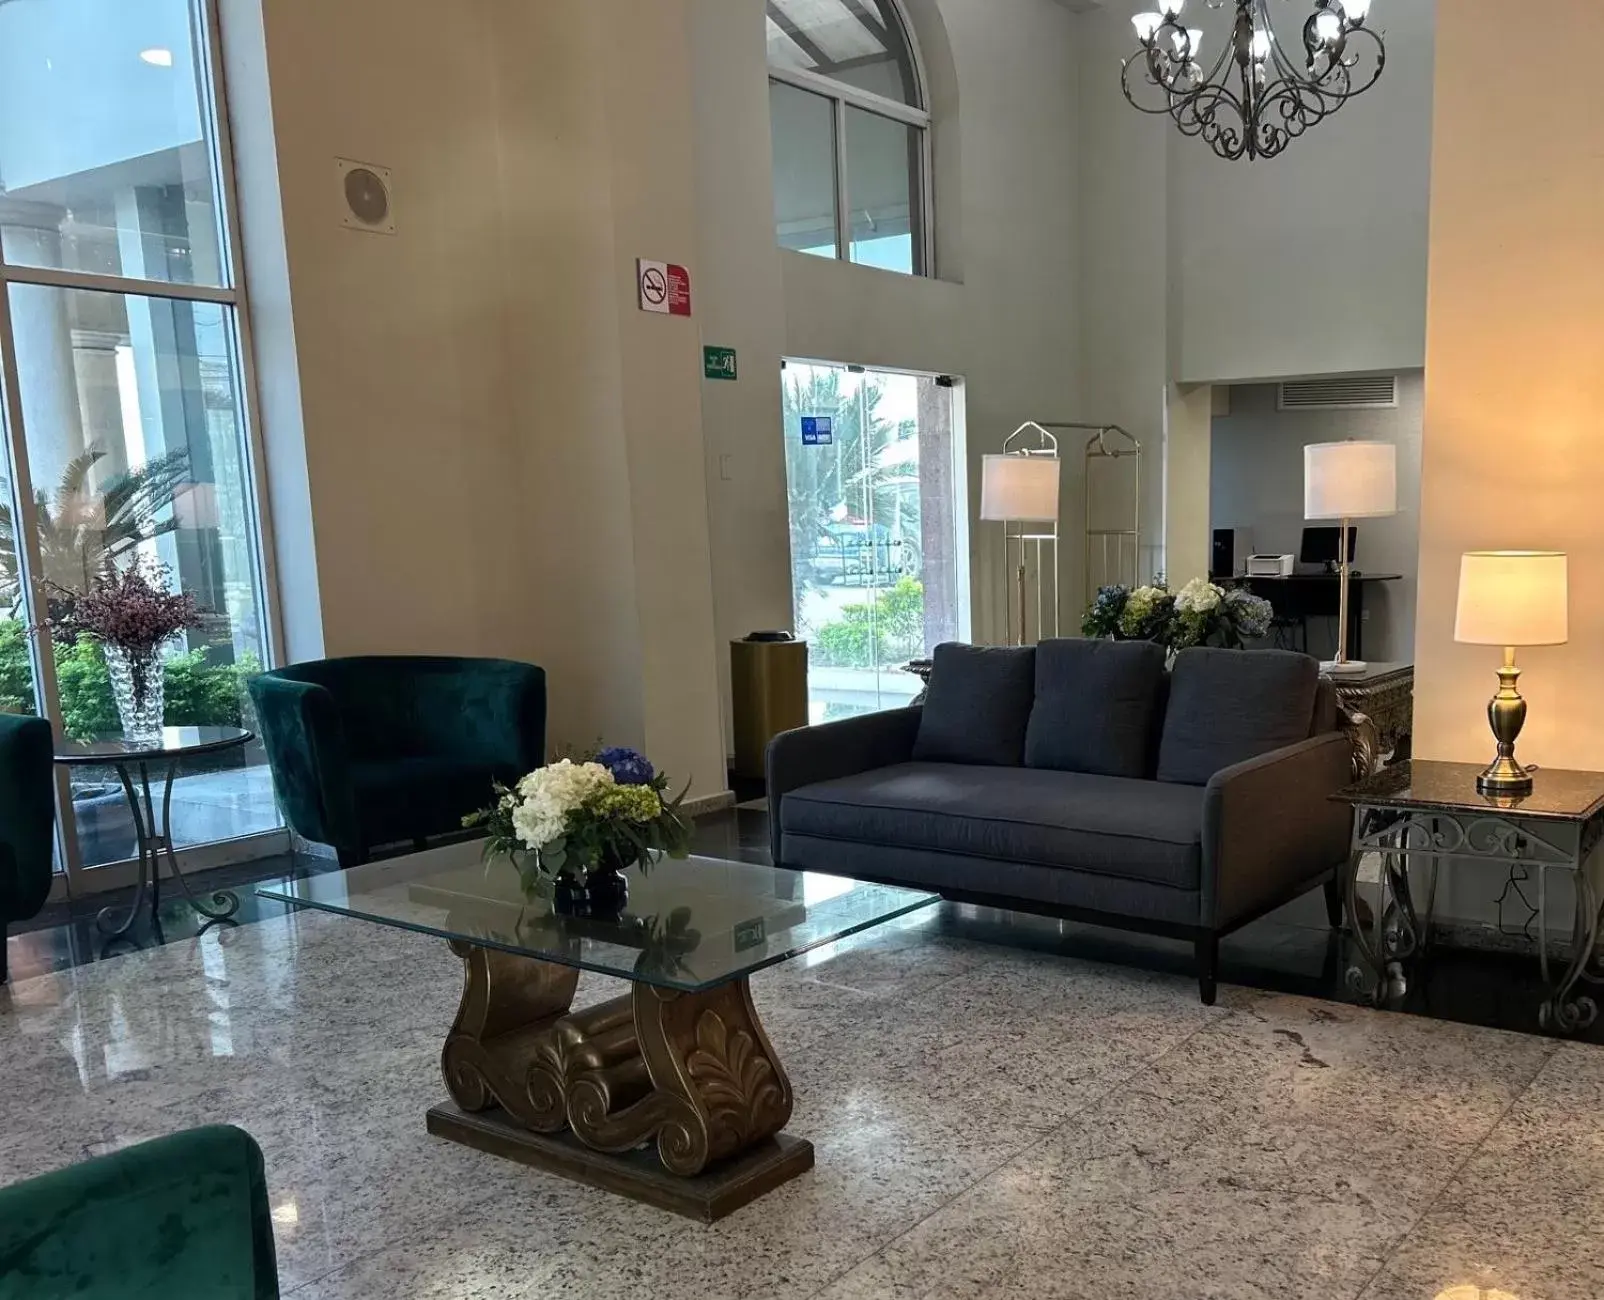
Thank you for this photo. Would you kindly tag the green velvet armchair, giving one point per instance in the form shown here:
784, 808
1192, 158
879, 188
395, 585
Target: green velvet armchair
378, 750
185, 1215
27, 819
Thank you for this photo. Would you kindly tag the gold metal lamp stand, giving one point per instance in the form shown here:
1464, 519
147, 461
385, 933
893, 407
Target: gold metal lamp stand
1506, 712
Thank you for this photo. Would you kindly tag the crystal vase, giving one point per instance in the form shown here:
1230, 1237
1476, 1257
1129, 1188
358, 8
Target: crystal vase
139, 687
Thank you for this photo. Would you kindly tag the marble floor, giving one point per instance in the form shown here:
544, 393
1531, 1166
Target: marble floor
988, 1122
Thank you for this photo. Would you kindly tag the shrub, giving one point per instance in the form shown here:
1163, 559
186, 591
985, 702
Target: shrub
888, 628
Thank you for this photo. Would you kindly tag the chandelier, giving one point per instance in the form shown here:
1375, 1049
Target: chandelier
1258, 95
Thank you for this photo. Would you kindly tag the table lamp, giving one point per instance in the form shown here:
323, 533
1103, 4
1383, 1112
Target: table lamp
1511, 598
1020, 487
1347, 481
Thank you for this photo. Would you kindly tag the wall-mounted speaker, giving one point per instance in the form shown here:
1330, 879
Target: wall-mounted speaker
366, 199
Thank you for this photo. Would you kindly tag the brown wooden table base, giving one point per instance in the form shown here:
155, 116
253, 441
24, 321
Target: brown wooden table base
656, 1089
639, 1174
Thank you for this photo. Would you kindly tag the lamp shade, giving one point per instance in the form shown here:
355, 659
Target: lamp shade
1014, 486
1513, 598
1350, 480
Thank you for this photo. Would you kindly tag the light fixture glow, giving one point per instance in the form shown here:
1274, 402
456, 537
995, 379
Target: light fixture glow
1146, 25
1261, 45
1357, 10
1327, 26
157, 56
1187, 46
1171, 8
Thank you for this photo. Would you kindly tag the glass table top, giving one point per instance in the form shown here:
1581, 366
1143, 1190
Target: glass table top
1557, 794
174, 741
688, 925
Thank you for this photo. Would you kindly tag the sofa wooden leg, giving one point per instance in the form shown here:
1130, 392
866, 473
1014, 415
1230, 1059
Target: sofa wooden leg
1208, 965
1334, 902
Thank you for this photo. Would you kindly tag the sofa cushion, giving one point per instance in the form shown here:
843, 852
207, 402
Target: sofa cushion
978, 705
1096, 702
1227, 706
1135, 830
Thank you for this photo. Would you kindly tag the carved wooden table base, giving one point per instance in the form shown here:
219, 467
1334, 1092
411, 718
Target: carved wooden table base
692, 1072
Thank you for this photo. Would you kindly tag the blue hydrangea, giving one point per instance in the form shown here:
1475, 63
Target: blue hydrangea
628, 766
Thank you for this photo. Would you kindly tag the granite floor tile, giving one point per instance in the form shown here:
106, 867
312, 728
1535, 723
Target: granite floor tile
1279, 1152
1522, 1217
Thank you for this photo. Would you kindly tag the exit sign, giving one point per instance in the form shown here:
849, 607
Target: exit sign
718, 363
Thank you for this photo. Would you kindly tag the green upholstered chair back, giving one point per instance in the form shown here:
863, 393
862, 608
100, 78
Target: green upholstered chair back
185, 1215
399, 706
27, 816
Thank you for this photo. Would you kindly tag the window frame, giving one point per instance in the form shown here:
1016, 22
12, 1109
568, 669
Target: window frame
231, 294
843, 96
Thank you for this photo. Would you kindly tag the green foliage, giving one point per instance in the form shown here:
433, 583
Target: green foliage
199, 691
887, 628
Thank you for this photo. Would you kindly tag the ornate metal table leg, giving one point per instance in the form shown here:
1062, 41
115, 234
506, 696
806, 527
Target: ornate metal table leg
147, 864
223, 903
1372, 984
1561, 1011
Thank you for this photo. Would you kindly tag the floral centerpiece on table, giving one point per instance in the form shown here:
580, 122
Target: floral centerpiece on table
1202, 613
576, 818
131, 614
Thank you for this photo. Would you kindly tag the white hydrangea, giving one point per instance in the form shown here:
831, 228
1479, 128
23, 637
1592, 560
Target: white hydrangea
547, 796
1200, 596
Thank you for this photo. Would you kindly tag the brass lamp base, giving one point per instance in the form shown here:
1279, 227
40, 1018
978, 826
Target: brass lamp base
1506, 714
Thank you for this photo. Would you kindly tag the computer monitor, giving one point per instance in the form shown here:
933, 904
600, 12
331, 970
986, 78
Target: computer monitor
1320, 545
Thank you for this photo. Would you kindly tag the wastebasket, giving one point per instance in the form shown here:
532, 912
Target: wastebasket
769, 690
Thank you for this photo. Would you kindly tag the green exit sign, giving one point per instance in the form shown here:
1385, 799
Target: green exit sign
718, 363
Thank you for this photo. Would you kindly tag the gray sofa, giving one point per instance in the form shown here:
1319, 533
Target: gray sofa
1082, 779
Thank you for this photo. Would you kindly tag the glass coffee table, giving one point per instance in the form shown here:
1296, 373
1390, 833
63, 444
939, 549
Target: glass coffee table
672, 1093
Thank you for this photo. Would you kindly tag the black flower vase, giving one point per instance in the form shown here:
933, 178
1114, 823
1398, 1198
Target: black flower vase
601, 893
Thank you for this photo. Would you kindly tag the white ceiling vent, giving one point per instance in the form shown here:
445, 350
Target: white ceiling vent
1339, 393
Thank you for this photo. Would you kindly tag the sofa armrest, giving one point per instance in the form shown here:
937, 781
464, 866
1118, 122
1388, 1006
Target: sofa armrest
1269, 825
309, 757
834, 749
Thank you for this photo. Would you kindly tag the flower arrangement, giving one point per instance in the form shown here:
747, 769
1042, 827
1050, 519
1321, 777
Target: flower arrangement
131, 613
605, 811
1202, 613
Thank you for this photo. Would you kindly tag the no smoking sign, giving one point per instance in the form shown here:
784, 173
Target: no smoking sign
664, 288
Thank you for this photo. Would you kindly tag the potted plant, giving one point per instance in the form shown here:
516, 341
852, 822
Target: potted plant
571, 828
131, 614
1202, 613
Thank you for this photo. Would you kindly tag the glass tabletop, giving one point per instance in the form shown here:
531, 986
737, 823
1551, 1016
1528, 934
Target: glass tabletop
175, 741
688, 925
1557, 794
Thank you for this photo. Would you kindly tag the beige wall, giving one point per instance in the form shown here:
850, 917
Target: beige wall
1188, 437
502, 455
1512, 455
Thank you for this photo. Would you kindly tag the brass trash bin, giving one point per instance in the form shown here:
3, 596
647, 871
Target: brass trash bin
769, 694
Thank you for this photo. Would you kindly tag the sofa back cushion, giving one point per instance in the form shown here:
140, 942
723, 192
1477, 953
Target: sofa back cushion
978, 705
1096, 707
1227, 706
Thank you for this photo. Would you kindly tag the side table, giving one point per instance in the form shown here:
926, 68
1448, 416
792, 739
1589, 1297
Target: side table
1380, 707
1415, 812
132, 761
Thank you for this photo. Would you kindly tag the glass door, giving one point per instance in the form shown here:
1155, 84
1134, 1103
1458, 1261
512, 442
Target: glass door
879, 573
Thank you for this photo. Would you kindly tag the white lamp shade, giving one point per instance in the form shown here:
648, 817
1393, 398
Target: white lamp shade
1019, 487
1513, 598
1350, 480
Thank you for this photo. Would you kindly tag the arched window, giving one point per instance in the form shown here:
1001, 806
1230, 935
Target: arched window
851, 133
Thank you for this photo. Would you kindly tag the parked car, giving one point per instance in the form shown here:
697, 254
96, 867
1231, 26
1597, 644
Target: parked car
851, 551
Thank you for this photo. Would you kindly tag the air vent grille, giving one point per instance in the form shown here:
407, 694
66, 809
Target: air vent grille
1339, 393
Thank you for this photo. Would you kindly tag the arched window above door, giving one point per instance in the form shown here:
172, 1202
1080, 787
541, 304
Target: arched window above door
851, 133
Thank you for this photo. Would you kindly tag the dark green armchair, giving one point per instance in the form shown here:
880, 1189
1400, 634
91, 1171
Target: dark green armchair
27, 819
185, 1215
379, 750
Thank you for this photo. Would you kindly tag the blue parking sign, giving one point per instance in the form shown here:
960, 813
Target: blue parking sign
817, 431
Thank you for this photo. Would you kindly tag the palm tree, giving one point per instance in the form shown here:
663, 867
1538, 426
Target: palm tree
82, 532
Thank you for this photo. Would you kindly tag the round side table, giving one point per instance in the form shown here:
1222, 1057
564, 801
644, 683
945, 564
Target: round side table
133, 761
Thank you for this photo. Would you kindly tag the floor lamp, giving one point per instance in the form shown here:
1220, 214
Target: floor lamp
1348, 481
1018, 489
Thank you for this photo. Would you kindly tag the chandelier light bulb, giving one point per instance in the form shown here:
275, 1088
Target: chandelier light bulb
1357, 10
1327, 26
1146, 25
1261, 45
1188, 44
1171, 8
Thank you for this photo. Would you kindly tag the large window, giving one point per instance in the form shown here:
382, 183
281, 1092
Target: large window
127, 433
851, 133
